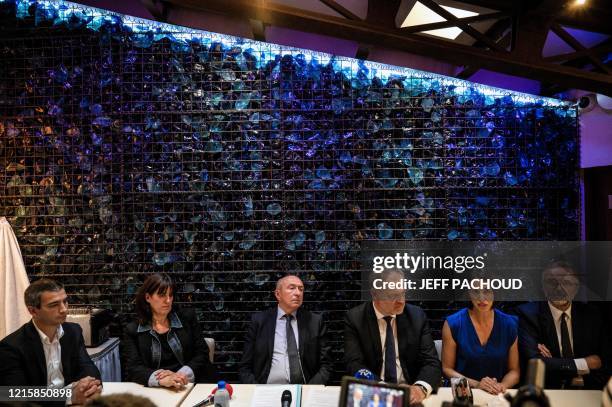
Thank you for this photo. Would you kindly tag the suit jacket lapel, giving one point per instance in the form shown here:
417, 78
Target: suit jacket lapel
65, 353
270, 330
403, 341
577, 330
38, 351
372, 325
302, 331
547, 322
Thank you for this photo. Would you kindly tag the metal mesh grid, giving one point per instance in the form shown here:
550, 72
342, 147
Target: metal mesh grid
122, 154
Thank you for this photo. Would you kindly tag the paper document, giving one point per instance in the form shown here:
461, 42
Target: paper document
320, 396
270, 395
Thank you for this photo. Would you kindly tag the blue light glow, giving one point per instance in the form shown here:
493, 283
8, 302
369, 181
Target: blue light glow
267, 52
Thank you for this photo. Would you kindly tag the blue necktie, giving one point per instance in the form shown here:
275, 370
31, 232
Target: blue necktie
390, 368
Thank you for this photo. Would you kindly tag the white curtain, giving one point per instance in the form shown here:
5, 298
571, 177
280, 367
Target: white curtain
14, 281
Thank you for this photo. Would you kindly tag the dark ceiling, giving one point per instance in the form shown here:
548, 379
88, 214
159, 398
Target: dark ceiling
507, 36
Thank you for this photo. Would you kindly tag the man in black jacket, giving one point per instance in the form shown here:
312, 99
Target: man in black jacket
286, 344
570, 337
389, 329
47, 351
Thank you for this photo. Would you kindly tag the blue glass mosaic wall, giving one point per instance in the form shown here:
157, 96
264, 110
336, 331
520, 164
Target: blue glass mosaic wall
129, 147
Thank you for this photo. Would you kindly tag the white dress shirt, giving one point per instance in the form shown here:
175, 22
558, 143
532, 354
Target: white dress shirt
382, 330
279, 370
53, 357
581, 364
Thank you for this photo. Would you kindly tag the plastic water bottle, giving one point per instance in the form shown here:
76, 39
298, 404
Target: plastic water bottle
222, 397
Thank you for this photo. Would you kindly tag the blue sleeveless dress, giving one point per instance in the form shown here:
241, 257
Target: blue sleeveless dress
474, 360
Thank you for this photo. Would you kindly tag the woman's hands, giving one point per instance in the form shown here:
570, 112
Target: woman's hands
170, 379
490, 385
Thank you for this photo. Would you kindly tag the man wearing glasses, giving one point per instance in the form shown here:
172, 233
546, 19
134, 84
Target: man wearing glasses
570, 337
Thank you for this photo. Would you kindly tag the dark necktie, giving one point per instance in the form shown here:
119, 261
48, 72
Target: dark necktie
566, 345
295, 373
390, 368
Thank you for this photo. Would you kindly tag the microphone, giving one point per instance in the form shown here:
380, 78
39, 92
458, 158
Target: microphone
208, 401
364, 374
286, 399
536, 370
532, 394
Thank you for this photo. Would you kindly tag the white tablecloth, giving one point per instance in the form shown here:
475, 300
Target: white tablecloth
106, 358
243, 394
159, 396
557, 398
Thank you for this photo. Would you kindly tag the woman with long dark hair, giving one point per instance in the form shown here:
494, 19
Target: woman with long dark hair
165, 346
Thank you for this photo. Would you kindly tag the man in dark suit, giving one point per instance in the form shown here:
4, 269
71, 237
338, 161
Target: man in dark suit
570, 337
47, 351
389, 329
286, 344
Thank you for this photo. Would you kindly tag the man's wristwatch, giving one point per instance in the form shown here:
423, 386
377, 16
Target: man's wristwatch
423, 389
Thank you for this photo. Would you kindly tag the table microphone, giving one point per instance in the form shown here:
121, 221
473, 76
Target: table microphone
532, 393
208, 401
364, 374
286, 399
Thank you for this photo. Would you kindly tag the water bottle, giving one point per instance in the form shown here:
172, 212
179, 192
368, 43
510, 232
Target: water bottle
222, 397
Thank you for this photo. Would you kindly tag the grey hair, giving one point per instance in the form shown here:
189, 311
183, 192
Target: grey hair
385, 275
278, 282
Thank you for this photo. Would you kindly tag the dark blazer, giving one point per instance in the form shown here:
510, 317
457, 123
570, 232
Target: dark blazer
22, 357
417, 353
136, 355
313, 341
591, 337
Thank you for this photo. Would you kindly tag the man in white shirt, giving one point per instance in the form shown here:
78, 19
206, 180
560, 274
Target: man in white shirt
48, 351
389, 329
569, 337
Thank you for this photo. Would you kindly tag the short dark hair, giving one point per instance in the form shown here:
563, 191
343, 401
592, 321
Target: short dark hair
155, 283
120, 400
567, 266
32, 294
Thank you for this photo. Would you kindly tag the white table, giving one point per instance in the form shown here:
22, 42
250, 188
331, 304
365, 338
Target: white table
241, 396
316, 396
159, 396
557, 398
107, 360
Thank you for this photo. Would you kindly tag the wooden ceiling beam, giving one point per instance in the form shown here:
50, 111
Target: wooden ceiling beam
362, 31
596, 50
445, 24
574, 43
477, 35
340, 9
157, 8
